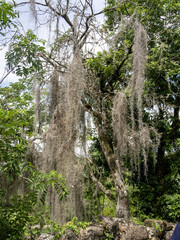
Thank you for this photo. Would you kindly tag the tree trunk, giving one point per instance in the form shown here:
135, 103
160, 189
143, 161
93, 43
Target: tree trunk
122, 208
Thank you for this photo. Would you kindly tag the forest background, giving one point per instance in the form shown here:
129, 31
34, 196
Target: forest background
107, 120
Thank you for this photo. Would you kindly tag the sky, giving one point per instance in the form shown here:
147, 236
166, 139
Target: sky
27, 21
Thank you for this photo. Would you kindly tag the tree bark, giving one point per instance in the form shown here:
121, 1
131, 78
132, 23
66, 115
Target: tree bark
122, 207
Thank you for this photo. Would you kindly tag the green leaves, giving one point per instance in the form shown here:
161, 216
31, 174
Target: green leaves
171, 206
74, 225
7, 14
41, 181
16, 111
23, 212
161, 96
14, 217
24, 56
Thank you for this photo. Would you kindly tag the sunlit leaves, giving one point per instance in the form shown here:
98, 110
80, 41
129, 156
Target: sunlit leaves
16, 118
24, 56
7, 14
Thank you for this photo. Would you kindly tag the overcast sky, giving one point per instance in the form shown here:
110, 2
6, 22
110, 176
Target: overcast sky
27, 21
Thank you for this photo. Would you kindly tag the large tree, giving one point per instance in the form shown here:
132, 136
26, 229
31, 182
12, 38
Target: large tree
161, 96
121, 88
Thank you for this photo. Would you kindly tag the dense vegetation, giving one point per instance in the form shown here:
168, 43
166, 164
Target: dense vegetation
120, 106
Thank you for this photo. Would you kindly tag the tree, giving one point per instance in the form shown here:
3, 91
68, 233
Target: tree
22, 186
110, 87
161, 86
64, 123
120, 133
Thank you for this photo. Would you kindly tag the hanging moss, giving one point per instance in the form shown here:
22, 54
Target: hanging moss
134, 138
60, 141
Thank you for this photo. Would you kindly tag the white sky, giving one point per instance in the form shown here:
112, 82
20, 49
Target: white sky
27, 21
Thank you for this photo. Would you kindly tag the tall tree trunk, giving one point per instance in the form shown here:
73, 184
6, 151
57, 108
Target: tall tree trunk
122, 207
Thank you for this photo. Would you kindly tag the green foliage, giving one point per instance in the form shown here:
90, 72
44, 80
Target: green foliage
106, 66
99, 203
7, 15
136, 221
23, 212
150, 14
156, 195
20, 212
39, 182
108, 235
108, 207
73, 225
18, 218
16, 117
145, 200
169, 201
140, 197
171, 207
24, 56
17, 95
13, 218
159, 197
158, 227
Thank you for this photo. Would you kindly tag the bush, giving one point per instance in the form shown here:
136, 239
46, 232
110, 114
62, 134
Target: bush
14, 218
171, 207
19, 215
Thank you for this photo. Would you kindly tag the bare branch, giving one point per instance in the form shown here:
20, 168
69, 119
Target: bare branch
90, 5
85, 33
24, 3
53, 62
88, 107
7, 74
67, 6
108, 9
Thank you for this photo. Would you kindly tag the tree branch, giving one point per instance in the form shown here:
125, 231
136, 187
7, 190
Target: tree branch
67, 6
53, 62
100, 185
88, 107
7, 74
93, 15
24, 3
